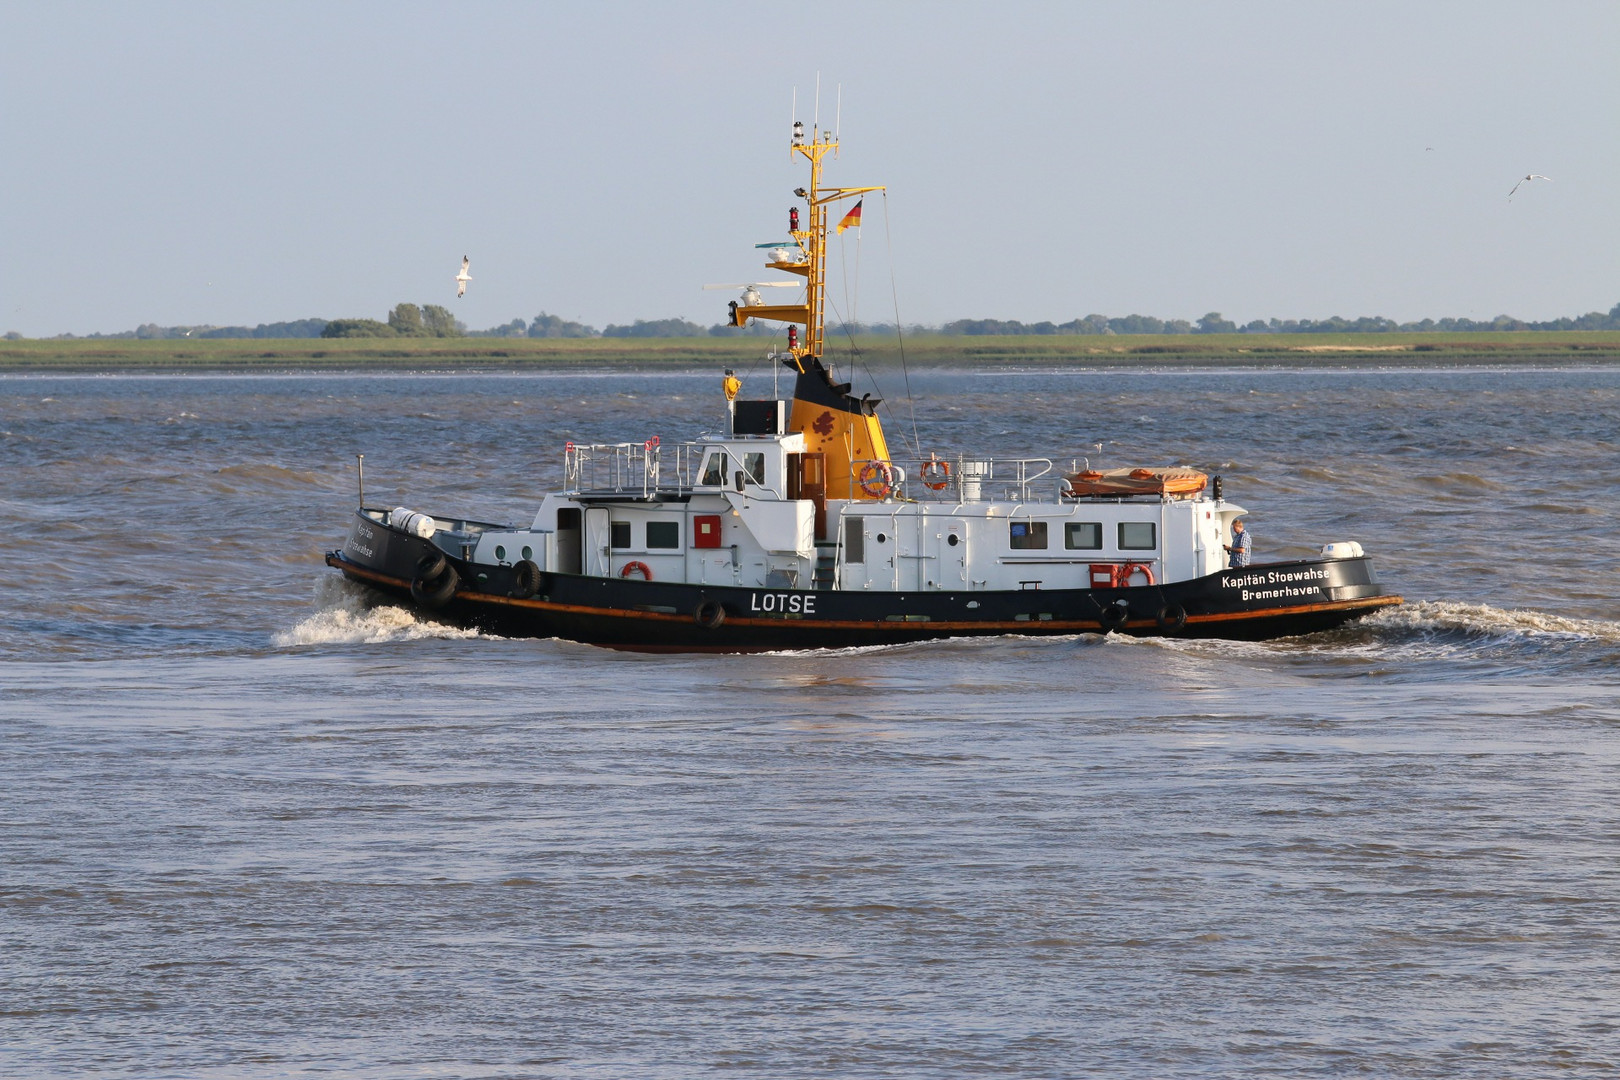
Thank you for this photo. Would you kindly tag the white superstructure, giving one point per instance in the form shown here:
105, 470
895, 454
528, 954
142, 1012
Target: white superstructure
737, 510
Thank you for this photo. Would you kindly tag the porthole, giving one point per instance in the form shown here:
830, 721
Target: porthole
881, 538
528, 552
500, 553
953, 539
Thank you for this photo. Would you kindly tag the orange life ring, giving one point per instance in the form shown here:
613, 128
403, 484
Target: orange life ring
876, 479
1123, 572
639, 567
936, 474
650, 445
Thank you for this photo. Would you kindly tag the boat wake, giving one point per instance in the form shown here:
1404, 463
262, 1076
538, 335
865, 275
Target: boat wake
1439, 618
347, 614
1409, 641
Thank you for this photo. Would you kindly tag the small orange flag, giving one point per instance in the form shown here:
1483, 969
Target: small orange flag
852, 220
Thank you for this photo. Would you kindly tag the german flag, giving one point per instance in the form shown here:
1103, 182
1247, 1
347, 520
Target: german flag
852, 220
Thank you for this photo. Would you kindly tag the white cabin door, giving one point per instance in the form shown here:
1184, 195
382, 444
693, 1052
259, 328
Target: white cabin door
598, 537
948, 568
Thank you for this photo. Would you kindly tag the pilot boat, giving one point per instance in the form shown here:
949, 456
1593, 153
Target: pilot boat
797, 528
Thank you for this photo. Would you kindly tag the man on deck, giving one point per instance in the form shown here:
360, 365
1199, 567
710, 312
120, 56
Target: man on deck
1239, 547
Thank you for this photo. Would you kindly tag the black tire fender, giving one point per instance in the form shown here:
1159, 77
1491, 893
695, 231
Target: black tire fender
435, 593
1112, 617
710, 614
526, 579
1171, 618
431, 565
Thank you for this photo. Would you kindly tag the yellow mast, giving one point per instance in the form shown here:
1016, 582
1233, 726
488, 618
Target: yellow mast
845, 429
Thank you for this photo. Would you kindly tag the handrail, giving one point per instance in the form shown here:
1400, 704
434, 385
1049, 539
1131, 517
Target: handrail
626, 468
963, 479
647, 468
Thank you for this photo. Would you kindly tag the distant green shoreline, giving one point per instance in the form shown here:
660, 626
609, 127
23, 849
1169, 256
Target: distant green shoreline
986, 352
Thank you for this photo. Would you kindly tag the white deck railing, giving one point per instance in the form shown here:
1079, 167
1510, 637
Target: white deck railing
963, 479
629, 468
647, 468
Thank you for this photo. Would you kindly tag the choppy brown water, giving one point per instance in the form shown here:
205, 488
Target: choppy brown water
254, 826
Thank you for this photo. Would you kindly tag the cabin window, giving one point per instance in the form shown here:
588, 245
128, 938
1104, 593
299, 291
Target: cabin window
1027, 535
854, 540
754, 466
619, 534
1083, 536
663, 534
1137, 536
714, 469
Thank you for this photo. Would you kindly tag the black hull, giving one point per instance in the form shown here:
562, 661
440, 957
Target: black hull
1259, 602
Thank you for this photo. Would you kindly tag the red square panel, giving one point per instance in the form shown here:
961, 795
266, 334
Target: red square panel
706, 530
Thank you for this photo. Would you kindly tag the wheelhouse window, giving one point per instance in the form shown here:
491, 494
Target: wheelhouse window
1137, 536
1083, 536
619, 534
714, 469
663, 534
754, 466
1027, 535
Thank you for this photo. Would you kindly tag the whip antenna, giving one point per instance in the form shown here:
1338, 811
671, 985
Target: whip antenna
894, 291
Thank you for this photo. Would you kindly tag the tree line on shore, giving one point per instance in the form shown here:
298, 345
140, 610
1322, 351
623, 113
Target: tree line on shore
433, 320
1215, 323
407, 320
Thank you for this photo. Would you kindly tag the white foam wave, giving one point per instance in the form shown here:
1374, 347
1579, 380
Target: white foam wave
1425, 630
1430, 616
383, 624
344, 617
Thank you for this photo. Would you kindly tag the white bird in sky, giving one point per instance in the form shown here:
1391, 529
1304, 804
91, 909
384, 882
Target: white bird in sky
463, 277
1527, 179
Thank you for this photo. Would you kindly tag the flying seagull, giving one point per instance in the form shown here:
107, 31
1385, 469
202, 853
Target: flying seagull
1527, 179
463, 277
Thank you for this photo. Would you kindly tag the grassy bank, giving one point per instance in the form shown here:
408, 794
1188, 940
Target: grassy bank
483, 354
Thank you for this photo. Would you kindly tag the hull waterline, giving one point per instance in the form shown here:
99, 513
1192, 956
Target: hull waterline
1258, 602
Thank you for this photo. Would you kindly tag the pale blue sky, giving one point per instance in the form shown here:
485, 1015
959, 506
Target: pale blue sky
188, 163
